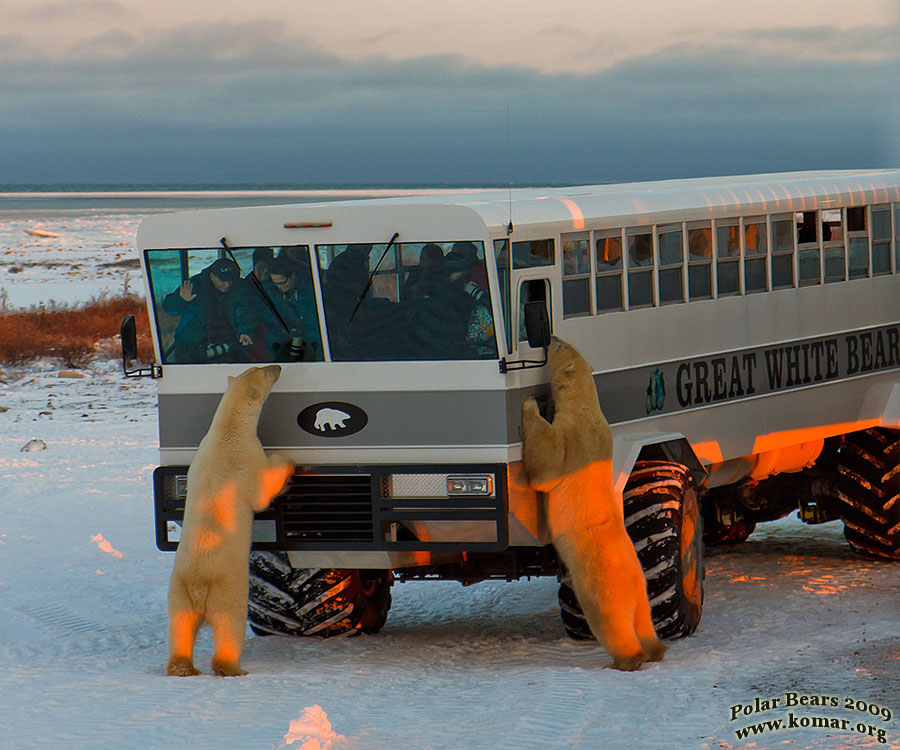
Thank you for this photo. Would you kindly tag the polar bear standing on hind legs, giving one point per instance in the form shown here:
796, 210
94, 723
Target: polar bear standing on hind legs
229, 479
571, 461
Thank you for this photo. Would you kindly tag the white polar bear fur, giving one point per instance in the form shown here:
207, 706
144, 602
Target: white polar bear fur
229, 479
571, 461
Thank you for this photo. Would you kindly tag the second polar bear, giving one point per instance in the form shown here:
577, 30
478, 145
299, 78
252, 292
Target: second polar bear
229, 479
571, 461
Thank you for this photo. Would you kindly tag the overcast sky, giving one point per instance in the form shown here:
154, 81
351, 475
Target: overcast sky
353, 91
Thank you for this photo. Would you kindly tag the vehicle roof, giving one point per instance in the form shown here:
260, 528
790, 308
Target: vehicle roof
586, 205
534, 212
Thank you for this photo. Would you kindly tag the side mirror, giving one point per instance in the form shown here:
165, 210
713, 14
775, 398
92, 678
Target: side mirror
537, 324
128, 334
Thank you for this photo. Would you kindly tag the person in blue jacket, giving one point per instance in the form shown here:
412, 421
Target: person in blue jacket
206, 306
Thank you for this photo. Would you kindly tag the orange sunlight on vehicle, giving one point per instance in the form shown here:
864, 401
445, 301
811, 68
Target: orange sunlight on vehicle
577, 216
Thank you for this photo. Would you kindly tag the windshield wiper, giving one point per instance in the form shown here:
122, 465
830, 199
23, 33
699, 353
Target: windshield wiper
264, 295
359, 300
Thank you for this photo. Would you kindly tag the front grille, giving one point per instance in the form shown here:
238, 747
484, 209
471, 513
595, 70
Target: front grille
345, 509
328, 508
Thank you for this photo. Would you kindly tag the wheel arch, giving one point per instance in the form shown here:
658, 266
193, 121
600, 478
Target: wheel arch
673, 447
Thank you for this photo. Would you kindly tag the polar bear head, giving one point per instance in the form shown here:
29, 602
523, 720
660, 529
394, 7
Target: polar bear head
248, 391
570, 374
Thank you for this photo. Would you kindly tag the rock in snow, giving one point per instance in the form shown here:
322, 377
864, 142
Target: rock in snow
34, 445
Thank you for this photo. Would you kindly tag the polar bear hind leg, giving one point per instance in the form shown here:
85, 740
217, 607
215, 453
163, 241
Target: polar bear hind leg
607, 598
184, 622
226, 613
643, 622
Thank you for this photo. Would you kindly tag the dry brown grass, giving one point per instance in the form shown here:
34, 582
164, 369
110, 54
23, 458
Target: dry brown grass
74, 335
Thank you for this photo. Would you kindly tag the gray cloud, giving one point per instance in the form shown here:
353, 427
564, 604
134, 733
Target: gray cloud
77, 10
824, 41
248, 103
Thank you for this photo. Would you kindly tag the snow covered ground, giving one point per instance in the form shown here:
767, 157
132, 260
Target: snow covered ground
791, 613
92, 253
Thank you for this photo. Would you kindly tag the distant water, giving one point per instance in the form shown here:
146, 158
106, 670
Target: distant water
32, 199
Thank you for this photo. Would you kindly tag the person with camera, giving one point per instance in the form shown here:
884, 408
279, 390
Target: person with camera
206, 308
296, 306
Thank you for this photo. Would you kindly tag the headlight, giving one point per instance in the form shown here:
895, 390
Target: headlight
420, 486
471, 484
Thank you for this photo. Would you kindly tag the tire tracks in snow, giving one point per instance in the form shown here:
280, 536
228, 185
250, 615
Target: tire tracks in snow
51, 631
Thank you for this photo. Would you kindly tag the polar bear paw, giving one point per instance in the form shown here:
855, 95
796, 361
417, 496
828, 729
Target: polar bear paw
629, 663
655, 651
181, 667
227, 669
530, 407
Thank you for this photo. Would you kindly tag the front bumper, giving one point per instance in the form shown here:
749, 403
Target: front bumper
359, 509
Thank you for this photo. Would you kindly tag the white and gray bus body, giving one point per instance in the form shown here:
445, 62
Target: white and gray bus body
738, 326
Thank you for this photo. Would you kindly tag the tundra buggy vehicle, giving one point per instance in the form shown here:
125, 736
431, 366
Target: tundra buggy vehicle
745, 335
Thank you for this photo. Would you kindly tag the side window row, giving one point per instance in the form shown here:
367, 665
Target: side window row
635, 267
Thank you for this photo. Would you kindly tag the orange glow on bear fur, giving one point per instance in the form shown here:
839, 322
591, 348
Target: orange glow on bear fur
229, 479
570, 460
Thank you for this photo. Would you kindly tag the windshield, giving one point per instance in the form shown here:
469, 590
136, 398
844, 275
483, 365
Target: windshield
427, 301
259, 307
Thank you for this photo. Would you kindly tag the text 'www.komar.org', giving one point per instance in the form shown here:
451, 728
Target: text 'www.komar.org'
815, 722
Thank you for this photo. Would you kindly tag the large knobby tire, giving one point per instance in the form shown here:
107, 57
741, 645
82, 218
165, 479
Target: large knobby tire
868, 488
662, 517
322, 602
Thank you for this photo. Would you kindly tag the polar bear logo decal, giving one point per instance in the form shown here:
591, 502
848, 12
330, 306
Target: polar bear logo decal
656, 392
333, 419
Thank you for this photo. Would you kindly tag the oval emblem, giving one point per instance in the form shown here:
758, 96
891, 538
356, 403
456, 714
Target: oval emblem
332, 419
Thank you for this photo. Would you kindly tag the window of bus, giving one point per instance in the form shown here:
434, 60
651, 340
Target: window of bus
728, 257
576, 250
699, 260
671, 263
533, 253
857, 242
881, 239
782, 251
501, 252
808, 257
833, 245
640, 267
404, 302
609, 269
755, 251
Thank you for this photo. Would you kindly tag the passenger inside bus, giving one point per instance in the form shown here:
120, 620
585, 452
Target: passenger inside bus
252, 332
207, 306
430, 256
292, 327
361, 325
449, 317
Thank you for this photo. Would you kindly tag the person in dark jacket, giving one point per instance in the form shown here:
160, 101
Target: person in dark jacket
296, 305
206, 308
450, 320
